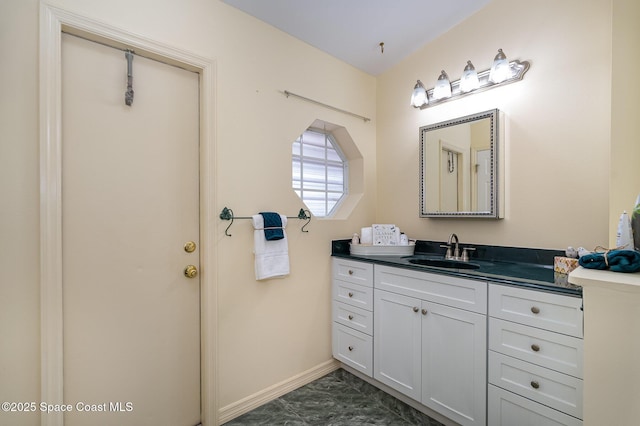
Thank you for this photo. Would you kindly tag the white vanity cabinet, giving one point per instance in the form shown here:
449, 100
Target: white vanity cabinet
430, 340
535, 357
352, 330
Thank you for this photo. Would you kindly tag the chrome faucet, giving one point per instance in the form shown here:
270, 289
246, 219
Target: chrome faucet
456, 251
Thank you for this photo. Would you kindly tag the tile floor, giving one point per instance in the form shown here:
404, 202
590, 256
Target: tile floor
337, 399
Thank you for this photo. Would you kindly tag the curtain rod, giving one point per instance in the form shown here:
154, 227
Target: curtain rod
288, 93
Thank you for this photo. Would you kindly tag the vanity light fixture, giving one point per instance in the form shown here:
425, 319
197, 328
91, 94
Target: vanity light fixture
443, 87
419, 97
502, 72
469, 80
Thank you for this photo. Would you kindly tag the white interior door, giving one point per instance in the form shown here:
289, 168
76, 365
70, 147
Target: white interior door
130, 190
483, 161
449, 184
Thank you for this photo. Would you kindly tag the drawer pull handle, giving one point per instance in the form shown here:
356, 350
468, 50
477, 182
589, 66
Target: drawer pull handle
535, 347
416, 309
350, 348
350, 317
535, 309
350, 294
535, 384
350, 272
424, 312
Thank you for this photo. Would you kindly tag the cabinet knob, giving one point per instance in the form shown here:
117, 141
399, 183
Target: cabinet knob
350, 317
416, 309
350, 294
535, 384
535, 309
350, 348
350, 272
535, 347
424, 312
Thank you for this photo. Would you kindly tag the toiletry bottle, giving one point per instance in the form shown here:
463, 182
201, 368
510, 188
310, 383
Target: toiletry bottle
624, 237
355, 239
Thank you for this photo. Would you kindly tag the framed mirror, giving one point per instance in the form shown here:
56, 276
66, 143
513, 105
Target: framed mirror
460, 167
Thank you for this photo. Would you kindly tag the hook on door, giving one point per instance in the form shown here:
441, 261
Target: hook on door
128, 96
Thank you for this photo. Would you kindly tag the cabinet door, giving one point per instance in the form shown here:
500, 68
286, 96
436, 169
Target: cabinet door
454, 348
396, 353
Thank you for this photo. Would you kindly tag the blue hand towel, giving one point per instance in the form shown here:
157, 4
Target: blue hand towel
272, 226
614, 260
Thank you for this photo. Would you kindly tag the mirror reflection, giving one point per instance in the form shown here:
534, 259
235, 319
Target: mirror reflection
458, 167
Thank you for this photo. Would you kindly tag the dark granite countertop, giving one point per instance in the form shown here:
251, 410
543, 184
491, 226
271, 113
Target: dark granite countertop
523, 267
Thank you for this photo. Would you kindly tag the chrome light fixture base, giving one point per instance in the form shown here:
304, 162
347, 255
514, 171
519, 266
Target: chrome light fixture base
518, 70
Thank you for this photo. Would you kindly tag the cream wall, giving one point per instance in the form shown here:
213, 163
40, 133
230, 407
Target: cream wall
19, 204
558, 124
268, 331
625, 111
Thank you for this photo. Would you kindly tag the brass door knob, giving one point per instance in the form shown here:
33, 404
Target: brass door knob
189, 246
190, 271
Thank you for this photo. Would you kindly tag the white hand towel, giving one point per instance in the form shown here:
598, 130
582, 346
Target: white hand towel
272, 257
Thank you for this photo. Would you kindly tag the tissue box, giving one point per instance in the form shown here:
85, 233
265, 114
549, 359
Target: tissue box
564, 265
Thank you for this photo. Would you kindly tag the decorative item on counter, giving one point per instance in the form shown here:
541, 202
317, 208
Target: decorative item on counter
571, 252
635, 224
382, 240
366, 236
614, 260
583, 251
355, 239
624, 237
385, 235
564, 265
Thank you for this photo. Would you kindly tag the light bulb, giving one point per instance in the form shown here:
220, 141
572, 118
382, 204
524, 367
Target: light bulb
500, 70
443, 87
419, 96
469, 80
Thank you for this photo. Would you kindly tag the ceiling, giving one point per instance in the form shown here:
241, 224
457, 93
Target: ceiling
352, 30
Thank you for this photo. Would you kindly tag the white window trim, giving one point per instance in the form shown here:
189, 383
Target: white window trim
329, 140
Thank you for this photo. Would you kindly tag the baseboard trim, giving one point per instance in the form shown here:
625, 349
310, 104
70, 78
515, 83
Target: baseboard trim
247, 404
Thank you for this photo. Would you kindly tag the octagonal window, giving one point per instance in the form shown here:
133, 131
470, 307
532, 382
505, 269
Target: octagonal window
319, 171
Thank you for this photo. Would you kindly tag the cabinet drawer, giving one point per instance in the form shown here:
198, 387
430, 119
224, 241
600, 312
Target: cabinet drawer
552, 350
353, 294
554, 312
508, 409
540, 384
356, 318
461, 293
353, 348
352, 271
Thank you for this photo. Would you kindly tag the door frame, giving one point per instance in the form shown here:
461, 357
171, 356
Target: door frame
53, 21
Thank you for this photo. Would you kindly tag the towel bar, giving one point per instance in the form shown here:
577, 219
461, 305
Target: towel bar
227, 214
